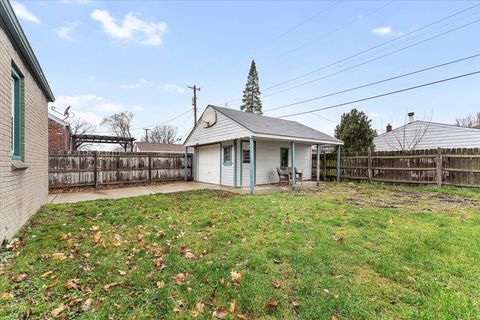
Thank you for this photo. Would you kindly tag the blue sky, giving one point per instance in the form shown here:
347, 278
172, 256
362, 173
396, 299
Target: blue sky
107, 56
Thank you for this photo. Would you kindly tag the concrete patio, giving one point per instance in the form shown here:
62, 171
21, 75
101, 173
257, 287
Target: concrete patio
127, 192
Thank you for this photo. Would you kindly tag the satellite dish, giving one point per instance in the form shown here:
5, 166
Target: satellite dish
209, 118
65, 113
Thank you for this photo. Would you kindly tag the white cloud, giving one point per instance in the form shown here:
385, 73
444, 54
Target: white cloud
138, 108
138, 84
88, 116
23, 13
109, 107
131, 28
77, 100
65, 31
382, 31
173, 88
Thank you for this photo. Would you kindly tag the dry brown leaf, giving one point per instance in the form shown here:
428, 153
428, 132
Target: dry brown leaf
122, 272
56, 312
58, 256
271, 304
241, 316
86, 305
20, 277
117, 240
140, 237
338, 239
160, 263
112, 285
295, 304
7, 296
232, 306
46, 274
220, 313
53, 284
199, 306
179, 278
95, 228
189, 255
160, 284
184, 249
334, 317
236, 276
71, 284
194, 313
276, 283
74, 302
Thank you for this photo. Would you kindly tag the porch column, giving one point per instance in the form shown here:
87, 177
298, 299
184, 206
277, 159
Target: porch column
186, 164
338, 162
234, 157
252, 165
318, 164
294, 176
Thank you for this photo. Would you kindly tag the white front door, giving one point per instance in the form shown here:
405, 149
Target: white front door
209, 164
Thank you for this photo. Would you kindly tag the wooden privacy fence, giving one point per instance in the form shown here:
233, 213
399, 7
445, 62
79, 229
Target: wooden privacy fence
92, 168
451, 167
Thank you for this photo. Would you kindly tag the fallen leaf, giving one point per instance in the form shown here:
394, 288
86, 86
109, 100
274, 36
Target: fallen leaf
194, 313
179, 278
334, 317
122, 272
140, 237
95, 228
19, 277
160, 263
58, 256
160, 284
46, 274
184, 249
86, 305
276, 283
74, 302
241, 316
7, 296
86, 254
189, 255
232, 306
295, 304
53, 284
199, 306
117, 240
112, 285
181, 304
338, 239
220, 313
236, 276
58, 310
326, 291
271, 304
71, 284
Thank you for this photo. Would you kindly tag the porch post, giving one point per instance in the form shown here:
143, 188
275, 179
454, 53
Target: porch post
294, 176
252, 165
318, 164
234, 157
186, 164
338, 163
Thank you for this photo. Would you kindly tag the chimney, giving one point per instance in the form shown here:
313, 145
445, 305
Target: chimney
389, 127
411, 116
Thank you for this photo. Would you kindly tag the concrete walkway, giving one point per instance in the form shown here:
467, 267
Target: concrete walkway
127, 192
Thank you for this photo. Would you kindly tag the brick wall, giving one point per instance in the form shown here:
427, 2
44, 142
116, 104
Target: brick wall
21, 192
58, 137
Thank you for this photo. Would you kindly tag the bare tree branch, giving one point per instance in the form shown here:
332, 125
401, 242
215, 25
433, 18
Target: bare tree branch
80, 126
119, 123
469, 121
164, 134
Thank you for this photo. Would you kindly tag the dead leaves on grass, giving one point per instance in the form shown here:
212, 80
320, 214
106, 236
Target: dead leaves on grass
340, 240
271, 304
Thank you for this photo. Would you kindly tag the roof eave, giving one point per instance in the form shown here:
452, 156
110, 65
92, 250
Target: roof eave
14, 28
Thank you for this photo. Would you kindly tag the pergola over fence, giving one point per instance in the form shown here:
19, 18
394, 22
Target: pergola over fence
79, 139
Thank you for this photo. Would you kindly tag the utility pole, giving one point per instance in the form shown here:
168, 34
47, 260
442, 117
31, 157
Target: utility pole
194, 103
146, 134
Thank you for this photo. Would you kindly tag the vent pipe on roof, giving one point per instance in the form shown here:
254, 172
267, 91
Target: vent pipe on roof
411, 116
389, 127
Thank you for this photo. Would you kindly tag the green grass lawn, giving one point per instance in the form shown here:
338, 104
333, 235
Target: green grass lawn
346, 251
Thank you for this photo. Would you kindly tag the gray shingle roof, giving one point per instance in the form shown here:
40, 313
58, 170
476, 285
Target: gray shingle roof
274, 126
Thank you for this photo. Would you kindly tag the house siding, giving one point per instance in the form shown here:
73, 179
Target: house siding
427, 135
224, 129
21, 192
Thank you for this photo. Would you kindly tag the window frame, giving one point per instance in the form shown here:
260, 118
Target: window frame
247, 159
16, 113
230, 150
281, 155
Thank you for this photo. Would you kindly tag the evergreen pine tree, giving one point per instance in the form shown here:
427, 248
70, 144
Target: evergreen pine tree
355, 131
251, 95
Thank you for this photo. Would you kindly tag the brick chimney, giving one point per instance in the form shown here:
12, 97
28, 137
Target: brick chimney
389, 127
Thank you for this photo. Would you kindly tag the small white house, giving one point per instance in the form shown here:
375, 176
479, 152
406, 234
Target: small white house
239, 149
419, 135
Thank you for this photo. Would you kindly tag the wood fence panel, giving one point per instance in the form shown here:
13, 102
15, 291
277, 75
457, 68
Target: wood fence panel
456, 167
91, 168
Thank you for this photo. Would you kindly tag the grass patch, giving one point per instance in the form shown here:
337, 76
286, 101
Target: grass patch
353, 251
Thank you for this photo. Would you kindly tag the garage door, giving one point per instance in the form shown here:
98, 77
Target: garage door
209, 164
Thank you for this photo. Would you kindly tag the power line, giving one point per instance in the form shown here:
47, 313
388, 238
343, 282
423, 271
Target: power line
384, 94
375, 83
368, 50
372, 60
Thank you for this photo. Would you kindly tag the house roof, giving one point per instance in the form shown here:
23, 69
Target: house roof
159, 147
9, 21
418, 135
259, 124
58, 120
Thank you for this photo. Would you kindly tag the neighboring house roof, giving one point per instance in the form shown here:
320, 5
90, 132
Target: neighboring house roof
418, 135
58, 120
159, 147
263, 126
9, 20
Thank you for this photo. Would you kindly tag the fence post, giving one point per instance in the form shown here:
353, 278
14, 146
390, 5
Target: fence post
325, 166
338, 162
369, 165
439, 167
149, 169
95, 169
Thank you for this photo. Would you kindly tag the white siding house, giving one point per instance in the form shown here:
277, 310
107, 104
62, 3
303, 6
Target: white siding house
418, 135
232, 147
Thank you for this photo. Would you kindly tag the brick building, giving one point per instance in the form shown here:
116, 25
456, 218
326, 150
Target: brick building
24, 95
59, 135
